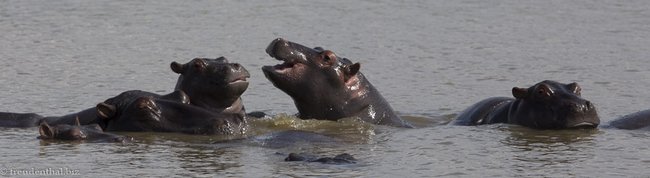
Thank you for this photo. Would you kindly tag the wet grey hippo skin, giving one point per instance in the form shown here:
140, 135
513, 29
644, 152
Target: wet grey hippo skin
86, 133
326, 86
635, 121
546, 105
338, 159
217, 108
151, 114
215, 84
85, 117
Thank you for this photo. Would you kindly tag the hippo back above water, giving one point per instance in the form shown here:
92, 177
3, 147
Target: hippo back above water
635, 121
151, 114
326, 86
214, 84
546, 105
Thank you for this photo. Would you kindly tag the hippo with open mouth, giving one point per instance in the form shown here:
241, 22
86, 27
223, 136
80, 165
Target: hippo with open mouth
545, 105
326, 86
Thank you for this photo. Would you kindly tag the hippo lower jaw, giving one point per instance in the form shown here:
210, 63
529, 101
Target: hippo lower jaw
285, 68
239, 82
287, 71
587, 120
584, 125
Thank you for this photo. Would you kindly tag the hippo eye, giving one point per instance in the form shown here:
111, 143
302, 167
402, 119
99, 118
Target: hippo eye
199, 64
544, 90
329, 57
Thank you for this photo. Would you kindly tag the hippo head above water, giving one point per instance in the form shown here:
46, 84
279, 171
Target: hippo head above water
545, 105
552, 105
326, 86
306, 70
214, 84
92, 132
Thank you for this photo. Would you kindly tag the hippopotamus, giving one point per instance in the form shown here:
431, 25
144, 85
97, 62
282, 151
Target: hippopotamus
343, 158
214, 84
159, 115
545, 105
85, 117
635, 121
87, 133
326, 86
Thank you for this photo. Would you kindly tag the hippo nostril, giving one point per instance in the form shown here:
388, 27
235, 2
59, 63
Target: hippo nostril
236, 66
589, 105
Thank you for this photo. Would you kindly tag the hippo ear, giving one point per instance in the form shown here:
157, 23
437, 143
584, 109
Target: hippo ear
575, 88
177, 67
106, 111
45, 131
519, 93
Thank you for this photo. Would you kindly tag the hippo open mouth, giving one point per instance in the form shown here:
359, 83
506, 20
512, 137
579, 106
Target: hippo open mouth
293, 56
285, 68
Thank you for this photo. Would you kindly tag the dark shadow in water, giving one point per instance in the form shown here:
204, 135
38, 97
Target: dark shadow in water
205, 160
193, 153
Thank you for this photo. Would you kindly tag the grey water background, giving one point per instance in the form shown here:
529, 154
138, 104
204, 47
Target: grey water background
430, 60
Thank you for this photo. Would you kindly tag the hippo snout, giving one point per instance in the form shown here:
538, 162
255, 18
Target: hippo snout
583, 115
271, 49
583, 107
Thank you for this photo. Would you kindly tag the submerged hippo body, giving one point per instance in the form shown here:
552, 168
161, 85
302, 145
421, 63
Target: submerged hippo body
215, 85
151, 114
325, 86
344, 158
88, 133
546, 105
635, 121
85, 117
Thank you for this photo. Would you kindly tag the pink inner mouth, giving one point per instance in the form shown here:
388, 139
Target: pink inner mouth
284, 67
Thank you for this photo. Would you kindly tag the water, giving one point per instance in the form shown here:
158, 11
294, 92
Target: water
430, 60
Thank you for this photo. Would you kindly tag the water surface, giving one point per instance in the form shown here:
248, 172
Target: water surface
430, 60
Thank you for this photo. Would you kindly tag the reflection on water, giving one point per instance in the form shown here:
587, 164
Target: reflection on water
541, 149
523, 138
